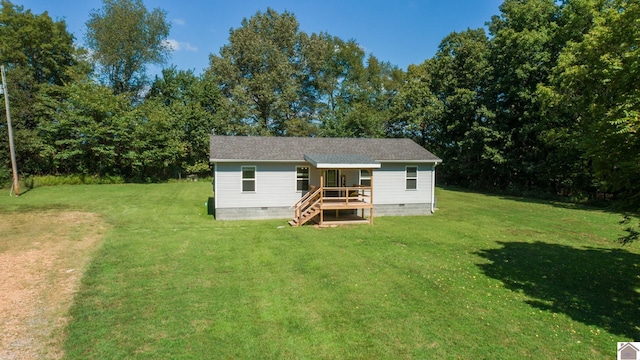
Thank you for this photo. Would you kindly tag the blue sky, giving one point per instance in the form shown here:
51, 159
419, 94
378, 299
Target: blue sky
401, 32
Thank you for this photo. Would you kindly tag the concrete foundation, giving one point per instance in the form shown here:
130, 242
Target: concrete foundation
401, 209
254, 213
261, 213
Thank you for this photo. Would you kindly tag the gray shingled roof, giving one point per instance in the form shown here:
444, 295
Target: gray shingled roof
259, 148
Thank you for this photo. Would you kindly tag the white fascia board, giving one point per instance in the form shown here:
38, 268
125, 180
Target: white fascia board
253, 161
411, 161
346, 166
329, 166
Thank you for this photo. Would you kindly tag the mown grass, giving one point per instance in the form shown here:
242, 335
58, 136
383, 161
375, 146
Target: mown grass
485, 277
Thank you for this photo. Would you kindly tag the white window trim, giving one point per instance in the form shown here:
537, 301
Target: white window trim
255, 179
308, 178
406, 177
360, 178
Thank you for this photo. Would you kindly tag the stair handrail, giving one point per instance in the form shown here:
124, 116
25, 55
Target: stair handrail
308, 202
302, 220
312, 189
304, 203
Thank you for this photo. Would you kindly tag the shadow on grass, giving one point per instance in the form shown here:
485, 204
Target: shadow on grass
595, 286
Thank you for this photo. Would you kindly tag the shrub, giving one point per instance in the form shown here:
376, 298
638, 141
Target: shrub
75, 179
5, 176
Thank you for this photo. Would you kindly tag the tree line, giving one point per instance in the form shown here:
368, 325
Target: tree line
545, 99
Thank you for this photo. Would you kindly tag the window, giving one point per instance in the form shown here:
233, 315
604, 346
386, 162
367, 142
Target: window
248, 178
412, 177
302, 178
365, 177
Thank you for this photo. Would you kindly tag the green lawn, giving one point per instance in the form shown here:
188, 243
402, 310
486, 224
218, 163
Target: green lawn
485, 277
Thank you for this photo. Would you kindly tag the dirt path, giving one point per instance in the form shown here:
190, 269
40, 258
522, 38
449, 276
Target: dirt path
42, 258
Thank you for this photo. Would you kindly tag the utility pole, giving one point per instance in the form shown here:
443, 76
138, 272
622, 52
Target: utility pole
12, 150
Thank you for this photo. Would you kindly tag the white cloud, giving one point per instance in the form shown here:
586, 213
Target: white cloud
179, 22
172, 44
175, 45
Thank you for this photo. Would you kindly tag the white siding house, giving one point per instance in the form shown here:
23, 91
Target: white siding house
274, 194
320, 178
394, 197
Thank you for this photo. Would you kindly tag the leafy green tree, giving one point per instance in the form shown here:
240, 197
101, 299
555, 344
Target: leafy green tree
467, 137
91, 131
86, 131
175, 87
352, 97
280, 81
125, 37
39, 46
370, 99
36, 51
417, 110
598, 76
162, 147
524, 48
337, 70
260, 72
191, 107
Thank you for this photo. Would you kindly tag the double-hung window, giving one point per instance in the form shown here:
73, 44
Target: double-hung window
411, 178
248, 179
302, 178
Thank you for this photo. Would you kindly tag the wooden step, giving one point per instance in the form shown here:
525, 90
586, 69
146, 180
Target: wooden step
311, 209
304, 217
309, 213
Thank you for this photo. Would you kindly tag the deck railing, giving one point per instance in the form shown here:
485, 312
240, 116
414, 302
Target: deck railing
322, 198
307, 202
353, 194
310, 192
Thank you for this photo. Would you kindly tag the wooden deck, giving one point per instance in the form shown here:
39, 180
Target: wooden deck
331, 203
335, 206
